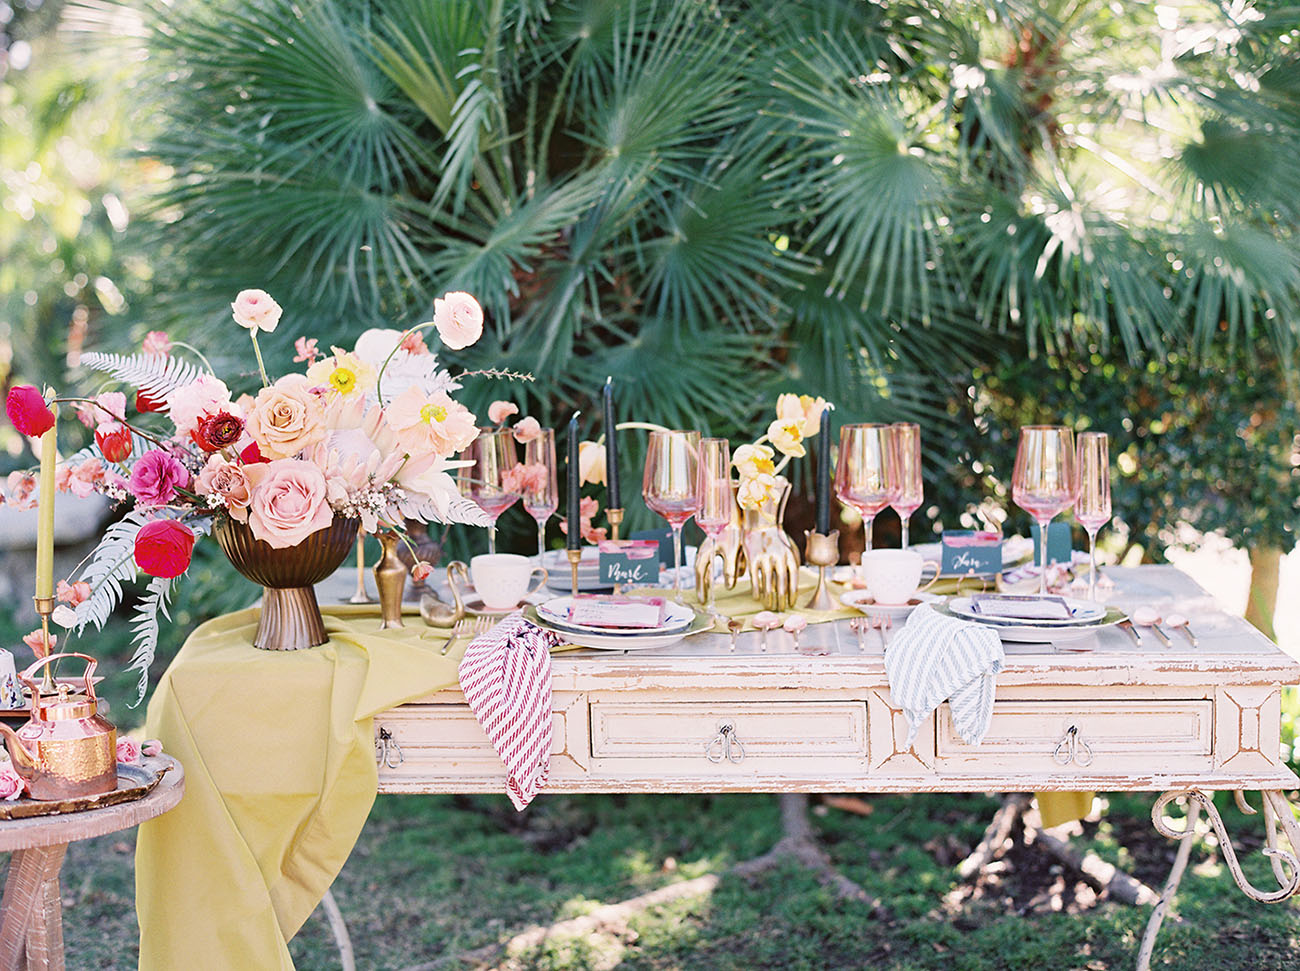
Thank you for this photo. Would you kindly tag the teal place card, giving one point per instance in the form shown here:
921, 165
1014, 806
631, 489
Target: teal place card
1059, 544
664, 537
629, 561
969, 553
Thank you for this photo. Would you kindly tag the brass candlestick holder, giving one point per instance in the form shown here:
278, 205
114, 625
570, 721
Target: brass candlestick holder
575, 557
45, 607
615, 517
360, 596
823, 550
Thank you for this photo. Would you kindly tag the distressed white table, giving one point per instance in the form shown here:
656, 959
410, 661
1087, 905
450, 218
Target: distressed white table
695, 717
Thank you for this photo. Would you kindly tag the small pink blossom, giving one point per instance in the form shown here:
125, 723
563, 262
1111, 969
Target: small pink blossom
158, 343
459, 319
527, 429
128, 751
499, 411
525, 479
85, 477
413, 343
107, 407
587, 510
151, 748
21, 485
306, 350
156, 477
420, 572
41, 645
12, 785
73, 593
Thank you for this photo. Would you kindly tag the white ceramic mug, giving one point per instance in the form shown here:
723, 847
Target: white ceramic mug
893, 576
502, 580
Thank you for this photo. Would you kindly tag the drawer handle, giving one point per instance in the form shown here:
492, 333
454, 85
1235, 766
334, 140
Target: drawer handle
386, 748
1072, 748
725, 746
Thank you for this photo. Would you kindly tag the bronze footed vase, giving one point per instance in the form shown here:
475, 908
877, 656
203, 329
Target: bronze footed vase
291, 617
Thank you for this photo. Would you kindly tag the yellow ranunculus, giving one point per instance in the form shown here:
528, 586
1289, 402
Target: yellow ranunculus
752, 460
787, 436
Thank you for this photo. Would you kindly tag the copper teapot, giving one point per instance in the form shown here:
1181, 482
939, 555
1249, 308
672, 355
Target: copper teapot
66, 749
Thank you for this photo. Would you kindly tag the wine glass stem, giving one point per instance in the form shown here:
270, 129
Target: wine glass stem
906, 520
492, 537
677, 562
541, 539
1092, 564
1042, 556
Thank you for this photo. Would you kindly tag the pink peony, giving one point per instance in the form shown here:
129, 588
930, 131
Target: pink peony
430, 423
12, 785
73, 593
128, 751
289, 502
527, 429
499, 411
227, 481
255, 310
156, 477
158, 343
459, 319
305, 350
206, 395
286, 418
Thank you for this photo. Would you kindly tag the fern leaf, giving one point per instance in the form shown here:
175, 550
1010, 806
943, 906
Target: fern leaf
443, 509
157, 375
145, 629
111, 565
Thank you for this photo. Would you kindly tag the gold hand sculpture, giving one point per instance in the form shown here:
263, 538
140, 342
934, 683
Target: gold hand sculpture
772, 555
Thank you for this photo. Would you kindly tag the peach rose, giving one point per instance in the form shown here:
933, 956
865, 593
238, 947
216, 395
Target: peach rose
227, 481
459, 319
286, 418
499, 411
255, 310
288, 503
430, 423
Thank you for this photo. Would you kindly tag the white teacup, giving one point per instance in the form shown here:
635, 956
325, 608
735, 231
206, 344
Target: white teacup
893, 576
502, 580
11, 695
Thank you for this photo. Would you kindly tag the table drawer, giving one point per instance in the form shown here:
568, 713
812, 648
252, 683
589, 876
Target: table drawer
742, 735
1083, 736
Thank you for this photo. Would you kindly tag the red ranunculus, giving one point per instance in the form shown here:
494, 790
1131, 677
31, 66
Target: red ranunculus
163, 548
215, 432
251, 454
144, 403
114, 441
28, 411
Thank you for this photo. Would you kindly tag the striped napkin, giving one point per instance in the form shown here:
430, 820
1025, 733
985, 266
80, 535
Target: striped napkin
935, 659
506, 677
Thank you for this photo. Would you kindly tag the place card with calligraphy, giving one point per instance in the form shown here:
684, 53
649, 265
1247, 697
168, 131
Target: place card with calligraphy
629, 561
971, 553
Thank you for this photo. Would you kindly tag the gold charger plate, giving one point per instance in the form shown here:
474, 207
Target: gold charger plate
133, 782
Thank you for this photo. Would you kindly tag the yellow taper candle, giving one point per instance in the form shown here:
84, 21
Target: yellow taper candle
45, 513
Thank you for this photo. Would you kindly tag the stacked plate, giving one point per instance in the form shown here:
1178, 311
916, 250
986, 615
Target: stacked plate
678, 622
559, 575
1085, 618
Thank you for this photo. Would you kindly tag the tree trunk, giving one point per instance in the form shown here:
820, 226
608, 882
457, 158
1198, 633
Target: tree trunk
1262, 599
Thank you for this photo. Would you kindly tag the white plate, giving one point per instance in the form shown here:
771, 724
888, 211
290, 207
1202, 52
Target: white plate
555, 612
861, 600
616, 642
1082, 611
1037, 634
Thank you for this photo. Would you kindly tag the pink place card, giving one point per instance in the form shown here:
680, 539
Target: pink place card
595, 610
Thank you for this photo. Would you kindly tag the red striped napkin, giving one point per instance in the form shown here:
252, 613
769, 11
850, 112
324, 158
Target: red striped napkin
506, 677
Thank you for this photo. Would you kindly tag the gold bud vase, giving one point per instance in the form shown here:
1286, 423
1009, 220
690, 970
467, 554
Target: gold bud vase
390, 579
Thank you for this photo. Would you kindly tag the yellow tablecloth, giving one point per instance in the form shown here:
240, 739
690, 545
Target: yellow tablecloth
280, 775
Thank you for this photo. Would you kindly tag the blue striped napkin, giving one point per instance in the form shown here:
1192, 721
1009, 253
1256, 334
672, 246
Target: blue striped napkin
935, 659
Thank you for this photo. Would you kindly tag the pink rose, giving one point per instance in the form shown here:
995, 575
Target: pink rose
128, 751
527, 429
206, 395
227, 481
151, 747
255, 310
459, 319
11, 783
289, 502
158, 343
286, 418
156, 477
499, 411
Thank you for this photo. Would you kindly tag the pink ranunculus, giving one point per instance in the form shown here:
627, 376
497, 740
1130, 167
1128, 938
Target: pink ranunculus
164, 548
499, 411
156, 477
527, 429
305, 350
128, 751
73, 593
286, 418
430, 423
156, 342
151, 747
255, 310
12, 785
206, 395
420, 572
459, 319
228, 481
289, 502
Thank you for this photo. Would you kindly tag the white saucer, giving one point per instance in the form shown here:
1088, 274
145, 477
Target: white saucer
677, 617
621, 642
860, 600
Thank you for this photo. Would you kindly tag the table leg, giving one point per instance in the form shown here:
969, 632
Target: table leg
31, 914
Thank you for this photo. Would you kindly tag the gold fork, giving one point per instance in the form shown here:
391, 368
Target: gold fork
463, 628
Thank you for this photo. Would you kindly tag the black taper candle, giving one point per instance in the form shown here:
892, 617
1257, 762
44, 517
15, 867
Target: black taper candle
824, 474
614, 499
573, 538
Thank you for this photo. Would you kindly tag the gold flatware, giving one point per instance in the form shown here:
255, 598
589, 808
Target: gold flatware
1127, 627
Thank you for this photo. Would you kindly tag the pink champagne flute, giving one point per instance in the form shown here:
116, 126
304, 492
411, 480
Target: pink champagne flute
717, 499
907, 438
1044, 481
1092, 508
486, 481
541, 492
671, 486
866, 475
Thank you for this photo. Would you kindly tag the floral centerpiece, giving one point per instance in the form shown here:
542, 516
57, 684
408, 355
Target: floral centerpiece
367, 434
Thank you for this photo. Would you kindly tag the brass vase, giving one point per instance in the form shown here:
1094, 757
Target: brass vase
291, 617
390, 580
